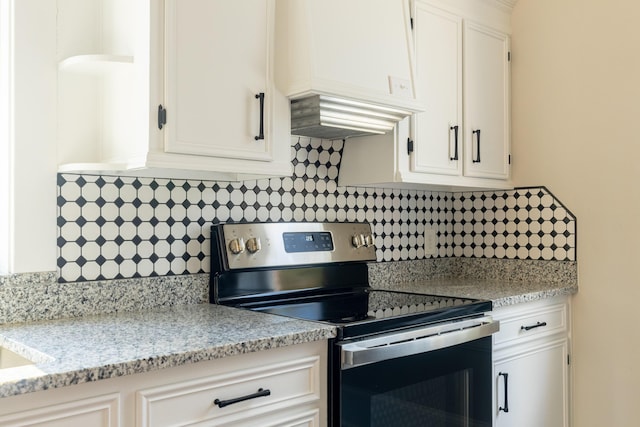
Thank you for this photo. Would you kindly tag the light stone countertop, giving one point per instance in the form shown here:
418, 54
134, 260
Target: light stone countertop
84, 349
500, 292
77, 350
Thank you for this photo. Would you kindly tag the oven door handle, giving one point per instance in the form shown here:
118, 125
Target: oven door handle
415, 341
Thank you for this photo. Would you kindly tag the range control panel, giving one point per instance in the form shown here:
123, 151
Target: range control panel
258, 245
313, 241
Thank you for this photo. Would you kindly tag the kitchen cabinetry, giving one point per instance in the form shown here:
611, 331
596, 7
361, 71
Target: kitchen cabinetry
531, 371
196, 394
462, 77
99, 411
241, 397
173, 89
486, 137
438, 41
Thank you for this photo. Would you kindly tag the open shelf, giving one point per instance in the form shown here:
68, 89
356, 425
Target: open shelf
94, 64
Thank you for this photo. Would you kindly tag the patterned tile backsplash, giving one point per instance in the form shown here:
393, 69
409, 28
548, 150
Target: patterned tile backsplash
124, 227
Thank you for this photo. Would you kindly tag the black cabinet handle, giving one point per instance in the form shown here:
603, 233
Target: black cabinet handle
505, 408
162, 116
259, 393
537, 325
477, 132
260, 96
455, 133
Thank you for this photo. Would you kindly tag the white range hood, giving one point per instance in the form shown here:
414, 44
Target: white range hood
346, 65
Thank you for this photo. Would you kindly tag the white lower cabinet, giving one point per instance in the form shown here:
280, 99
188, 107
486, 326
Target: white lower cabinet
283, 387
99, 411
272, 392
531, 365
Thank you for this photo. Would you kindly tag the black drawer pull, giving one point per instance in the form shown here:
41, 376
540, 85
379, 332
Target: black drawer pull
537, 325
259, 393
505, 408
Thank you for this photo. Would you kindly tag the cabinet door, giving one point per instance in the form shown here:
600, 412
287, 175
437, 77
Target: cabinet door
438, 44
537, 387
102, 411
217, 61
486, 91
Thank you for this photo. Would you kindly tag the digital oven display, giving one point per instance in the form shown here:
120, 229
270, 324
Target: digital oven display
319, 241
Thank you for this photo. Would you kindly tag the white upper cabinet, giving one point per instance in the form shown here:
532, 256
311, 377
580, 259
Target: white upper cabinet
487, 102
218, 76
462, 138
461, 61
438, 130
183, 89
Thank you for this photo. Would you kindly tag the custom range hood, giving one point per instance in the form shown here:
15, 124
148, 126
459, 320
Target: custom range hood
346, 65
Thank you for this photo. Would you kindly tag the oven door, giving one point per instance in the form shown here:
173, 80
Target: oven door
433, 376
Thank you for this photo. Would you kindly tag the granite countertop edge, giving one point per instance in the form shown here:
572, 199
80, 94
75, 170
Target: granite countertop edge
80, 350
535, 296
500, 292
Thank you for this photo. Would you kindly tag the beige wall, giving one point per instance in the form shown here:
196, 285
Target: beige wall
576, 129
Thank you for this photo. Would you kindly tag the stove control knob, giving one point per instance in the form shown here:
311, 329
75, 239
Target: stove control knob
236, 246
357, 240
369, 241
253, 245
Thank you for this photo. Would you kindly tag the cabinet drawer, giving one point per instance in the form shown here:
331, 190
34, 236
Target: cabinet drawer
281, 419
289, 383
520, 325
100, 411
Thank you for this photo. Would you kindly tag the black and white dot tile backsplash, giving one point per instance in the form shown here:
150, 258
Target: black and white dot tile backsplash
124, 227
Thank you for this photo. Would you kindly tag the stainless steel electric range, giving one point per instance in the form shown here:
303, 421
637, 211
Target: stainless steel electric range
400, 359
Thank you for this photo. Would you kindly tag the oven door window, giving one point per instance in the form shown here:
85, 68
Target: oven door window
450, 387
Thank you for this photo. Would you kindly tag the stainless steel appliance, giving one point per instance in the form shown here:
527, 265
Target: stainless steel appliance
400, 359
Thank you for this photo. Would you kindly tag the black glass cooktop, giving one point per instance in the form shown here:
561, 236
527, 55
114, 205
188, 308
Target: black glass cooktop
365, 311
